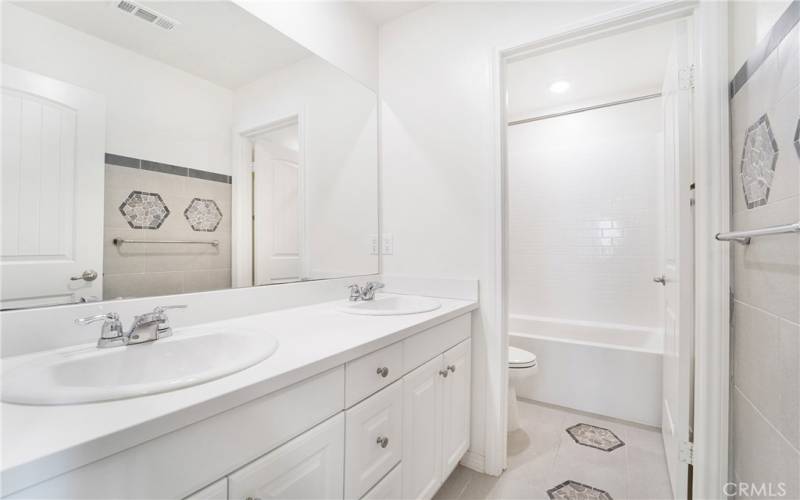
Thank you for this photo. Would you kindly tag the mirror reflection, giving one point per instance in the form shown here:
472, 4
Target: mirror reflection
155, 148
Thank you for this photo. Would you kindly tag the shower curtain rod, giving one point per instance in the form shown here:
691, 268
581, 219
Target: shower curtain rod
587, 108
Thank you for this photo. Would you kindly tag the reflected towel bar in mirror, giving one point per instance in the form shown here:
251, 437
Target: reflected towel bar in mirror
120, 241
743, 237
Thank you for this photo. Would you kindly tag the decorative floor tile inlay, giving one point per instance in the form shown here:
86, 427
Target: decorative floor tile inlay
573, 490
759, 157
144, 210
595, 437
797, 138
203, 215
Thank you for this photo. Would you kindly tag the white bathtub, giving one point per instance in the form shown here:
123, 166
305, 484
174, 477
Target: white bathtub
608, 369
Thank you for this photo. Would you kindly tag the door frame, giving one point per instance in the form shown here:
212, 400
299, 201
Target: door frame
712, 202
242, 199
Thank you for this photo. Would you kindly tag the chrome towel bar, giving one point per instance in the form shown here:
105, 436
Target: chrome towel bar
743, 237
120, 241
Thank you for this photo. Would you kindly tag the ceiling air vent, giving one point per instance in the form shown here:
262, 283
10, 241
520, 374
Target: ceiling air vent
147, 14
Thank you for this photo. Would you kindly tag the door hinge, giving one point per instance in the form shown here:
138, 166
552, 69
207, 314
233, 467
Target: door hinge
686, 78
686, 452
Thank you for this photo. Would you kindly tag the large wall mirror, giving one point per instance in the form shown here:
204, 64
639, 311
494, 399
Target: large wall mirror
154, 148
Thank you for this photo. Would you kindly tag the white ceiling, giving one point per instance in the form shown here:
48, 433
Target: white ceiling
216, 40
383, 11
620, 66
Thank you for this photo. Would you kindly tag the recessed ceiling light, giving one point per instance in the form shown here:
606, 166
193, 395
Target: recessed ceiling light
559, 87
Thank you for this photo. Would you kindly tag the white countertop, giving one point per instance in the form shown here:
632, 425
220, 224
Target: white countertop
40, 442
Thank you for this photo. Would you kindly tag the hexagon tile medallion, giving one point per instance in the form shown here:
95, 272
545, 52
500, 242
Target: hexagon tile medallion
595, 437
797, 138
759, 157
144, 210
573, 490
203, 215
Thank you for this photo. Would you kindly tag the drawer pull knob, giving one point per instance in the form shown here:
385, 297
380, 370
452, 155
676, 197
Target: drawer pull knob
383, 441
452, 368
253, 498
383, 372
443, 373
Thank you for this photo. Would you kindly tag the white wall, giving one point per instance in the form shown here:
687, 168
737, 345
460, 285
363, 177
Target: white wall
339, 133
749, 23
154, 111
584, 198
339, 32
438, 135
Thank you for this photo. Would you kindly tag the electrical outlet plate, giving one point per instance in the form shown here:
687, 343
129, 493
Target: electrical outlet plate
387, 244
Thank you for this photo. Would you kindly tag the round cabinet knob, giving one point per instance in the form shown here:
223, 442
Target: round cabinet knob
383, 372
383, 441
88, 275
452, 368
443, 373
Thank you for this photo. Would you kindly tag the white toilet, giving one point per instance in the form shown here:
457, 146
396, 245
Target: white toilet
521, 365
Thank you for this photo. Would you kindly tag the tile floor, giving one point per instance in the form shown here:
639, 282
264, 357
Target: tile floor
543, 455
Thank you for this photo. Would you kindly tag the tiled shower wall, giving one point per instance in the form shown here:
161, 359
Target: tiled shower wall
765, 343
153, 202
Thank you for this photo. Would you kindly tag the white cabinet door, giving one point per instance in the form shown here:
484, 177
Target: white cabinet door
214, 491
374, 439
422, 423
53, 136
309, 466
456, 406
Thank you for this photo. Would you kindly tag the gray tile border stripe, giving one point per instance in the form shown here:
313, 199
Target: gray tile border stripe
776, 34
165, 168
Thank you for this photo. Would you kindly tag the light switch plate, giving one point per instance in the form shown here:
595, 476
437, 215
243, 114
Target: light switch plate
387, 244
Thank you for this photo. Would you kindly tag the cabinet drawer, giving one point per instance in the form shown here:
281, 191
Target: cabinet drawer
426, 345
389, 488
369, 374
307, 467
373, 439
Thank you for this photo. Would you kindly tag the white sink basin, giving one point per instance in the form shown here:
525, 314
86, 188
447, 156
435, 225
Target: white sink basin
87, 374
390, 305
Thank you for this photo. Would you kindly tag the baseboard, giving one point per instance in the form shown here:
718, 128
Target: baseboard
474, 461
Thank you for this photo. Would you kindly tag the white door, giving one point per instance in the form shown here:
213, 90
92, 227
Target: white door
456, 406
678, 261
276, 220
309, 466
422, 424
53, 137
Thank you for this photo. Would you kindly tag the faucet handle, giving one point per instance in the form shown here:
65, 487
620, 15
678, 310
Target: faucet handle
112, 316
161, 309
355, 292
375, 285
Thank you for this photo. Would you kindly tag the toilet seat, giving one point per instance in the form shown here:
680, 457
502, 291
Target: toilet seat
520, 358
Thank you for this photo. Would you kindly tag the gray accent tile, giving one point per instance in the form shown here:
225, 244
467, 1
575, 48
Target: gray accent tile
144, 210
203, 215
209, 176
757, 167
165, 168
573, 490
595, 437
797, 138
122, 161
770, 42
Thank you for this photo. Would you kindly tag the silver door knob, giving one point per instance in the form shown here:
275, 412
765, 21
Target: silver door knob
383, 372
88, 275
383, 441
452, 368
443, 373
661, 279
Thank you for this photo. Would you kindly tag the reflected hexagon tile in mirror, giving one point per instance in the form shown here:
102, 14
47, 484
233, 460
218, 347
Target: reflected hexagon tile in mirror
759, 156
203, 215
144, 210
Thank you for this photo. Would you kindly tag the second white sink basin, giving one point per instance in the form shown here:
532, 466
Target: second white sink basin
389, 305
87, 374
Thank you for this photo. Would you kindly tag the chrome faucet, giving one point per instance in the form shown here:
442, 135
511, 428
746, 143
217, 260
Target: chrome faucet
145, 328
367, 292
